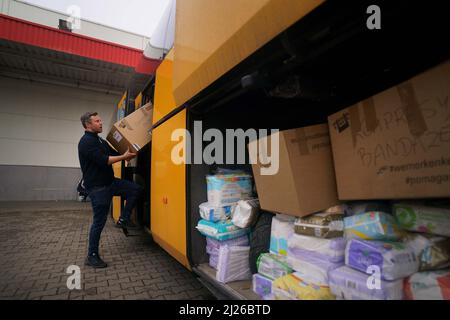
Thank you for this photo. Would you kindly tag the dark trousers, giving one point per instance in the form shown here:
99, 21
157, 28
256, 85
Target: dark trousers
101, 201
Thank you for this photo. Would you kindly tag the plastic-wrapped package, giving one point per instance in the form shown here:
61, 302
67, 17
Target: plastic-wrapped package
214, 214
322, 225
262, 286
282, 228
428, 285
228, 189
332, 250
233, 264
295, 286
213, 260
420, 218
246, 213
433, 251
272, 266
360, 207
349, 284
393, 260
372, 226
313, 270
222, 230
213, 245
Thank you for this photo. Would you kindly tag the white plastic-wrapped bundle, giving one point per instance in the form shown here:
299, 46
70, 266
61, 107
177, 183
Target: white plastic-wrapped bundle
282, 229
246, 213
332, 250
233, 264
214, 214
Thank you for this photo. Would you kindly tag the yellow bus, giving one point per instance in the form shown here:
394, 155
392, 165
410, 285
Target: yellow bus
268, 64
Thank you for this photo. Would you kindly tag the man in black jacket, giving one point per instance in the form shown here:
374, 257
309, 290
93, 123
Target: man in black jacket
96, 159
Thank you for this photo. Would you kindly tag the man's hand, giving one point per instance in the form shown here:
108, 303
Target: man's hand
128, 155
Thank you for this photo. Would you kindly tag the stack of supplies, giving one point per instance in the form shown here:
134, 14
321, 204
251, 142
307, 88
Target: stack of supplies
233, 264
213, 247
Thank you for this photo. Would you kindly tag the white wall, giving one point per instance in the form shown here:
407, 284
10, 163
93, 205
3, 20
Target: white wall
51, 18
40, 123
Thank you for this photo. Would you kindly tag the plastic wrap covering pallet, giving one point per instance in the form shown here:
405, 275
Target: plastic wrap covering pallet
349, 284
393, 260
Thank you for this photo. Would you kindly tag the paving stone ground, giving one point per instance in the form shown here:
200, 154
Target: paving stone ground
39, 241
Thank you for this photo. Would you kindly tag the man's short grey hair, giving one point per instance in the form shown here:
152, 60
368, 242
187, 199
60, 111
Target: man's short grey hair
86, 118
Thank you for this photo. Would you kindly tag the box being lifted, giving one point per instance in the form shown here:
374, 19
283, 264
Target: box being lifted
305, 181
396, 144
133, 131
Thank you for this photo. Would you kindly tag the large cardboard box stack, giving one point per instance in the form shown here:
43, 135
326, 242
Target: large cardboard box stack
396, 144
133, 131
305, 181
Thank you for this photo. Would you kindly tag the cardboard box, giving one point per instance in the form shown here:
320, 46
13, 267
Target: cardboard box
133, 131
305, 181
396, 144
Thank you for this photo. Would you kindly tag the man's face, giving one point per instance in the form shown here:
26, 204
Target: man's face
95, 125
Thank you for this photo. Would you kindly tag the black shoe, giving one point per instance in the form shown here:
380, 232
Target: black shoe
95, 261
122, 223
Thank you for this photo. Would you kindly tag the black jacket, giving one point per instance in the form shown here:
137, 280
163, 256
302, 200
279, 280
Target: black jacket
93, 153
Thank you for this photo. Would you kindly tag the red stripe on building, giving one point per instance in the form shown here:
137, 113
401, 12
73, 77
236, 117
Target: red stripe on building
26, 32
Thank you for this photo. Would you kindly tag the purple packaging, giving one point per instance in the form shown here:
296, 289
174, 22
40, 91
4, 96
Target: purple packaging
314, 270
213, 260
332, 250
392, 260
262, 286
213, 245
349, 284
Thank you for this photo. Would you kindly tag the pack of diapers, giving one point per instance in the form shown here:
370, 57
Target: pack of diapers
272, 266
391, 260
421, 218
222, 230
332, 250
322, 225
349, 284
314, 270
433, 251
233, 264
228, 189
373, 225
429, 285
213, 245
282, 229
262, 285
294, 286
214, 214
